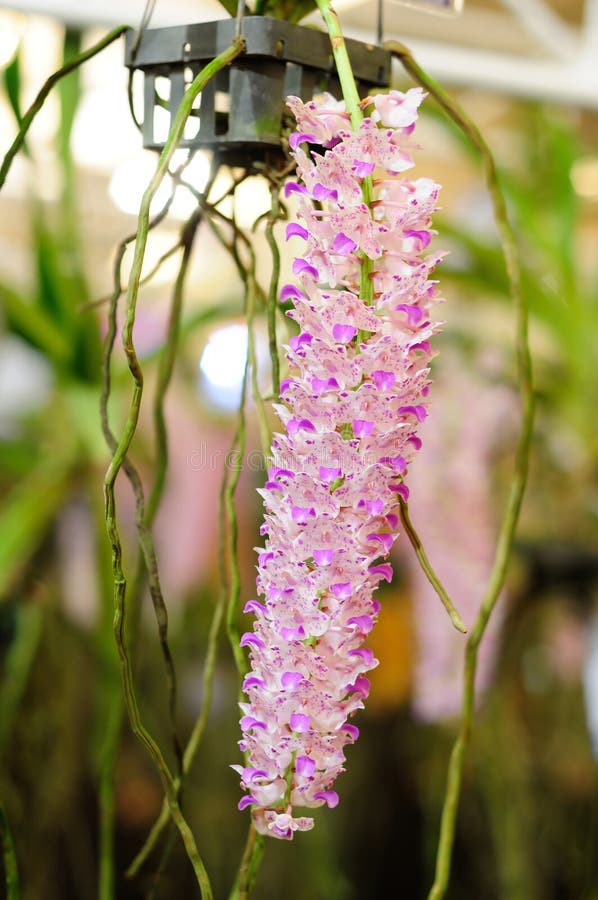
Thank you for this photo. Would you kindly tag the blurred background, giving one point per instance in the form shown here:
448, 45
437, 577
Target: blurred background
528, 824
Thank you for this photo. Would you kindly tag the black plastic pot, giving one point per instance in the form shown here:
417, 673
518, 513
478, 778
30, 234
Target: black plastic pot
240, 112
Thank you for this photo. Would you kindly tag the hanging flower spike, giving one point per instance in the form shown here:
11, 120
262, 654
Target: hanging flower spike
356, 393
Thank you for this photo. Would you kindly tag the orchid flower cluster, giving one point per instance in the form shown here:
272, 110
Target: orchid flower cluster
355, 395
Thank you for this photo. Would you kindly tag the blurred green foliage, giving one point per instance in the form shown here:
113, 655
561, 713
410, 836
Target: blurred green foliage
56, 445
560, 284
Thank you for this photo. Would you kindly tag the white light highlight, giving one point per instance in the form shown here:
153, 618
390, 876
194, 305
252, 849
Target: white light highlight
222, 365
584, 177
131, 178
103, 134
11, 31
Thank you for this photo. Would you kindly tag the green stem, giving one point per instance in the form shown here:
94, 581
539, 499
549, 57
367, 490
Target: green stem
11, 872
165, 370
517, 489
116, 706
45, 90
209, 669
107, 800
342, 61
352, 102
174, 137
131, 701
264, 428
166, 366
119, 459
248, 277
427, 569
250, 863
232, 560
273, 289
92, 304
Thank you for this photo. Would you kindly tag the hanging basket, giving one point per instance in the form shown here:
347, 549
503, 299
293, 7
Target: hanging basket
239, 113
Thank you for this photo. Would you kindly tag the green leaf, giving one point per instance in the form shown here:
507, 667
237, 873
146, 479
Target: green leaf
11, 873
17, 666
230, 6
52, 297
27, 514
34, 324
17, 457
12, 83
81, 406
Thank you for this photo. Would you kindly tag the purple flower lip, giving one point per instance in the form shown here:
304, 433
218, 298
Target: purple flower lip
294, 229
246, 801
293, 634
299, 138
384, 381
413, 313
292, 187
300, 340
365, 654
342, 590
417, 410
423, 237
364, 624
383, 538
305, 766
351, 730
302, 267
402, 490
423, 346
329, 473
398, 463
320, 385
329, 797
249, 775
278, 594
363, 169
323, 557
249, 638
362, 428
247, 723
302, 514
253, 681
273, 486
384, 569
290, 292
373, 507
343, 244
361, 684
299, 723
290, 681
277, 472
343, 333
294, 425
254, 606
319, 192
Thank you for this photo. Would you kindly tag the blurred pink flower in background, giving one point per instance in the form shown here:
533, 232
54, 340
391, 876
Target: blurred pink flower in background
454, 511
